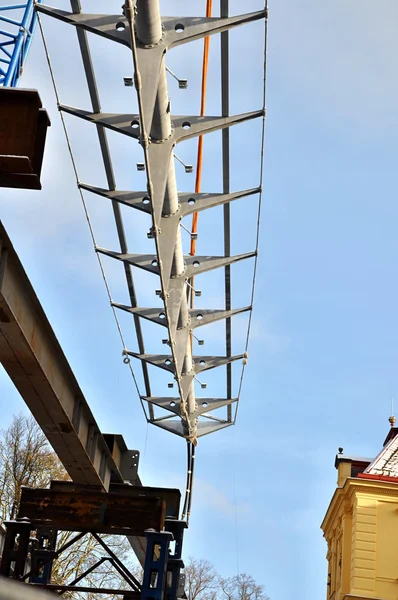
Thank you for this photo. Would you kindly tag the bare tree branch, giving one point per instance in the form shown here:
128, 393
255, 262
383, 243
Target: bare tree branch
26, 459
242, 587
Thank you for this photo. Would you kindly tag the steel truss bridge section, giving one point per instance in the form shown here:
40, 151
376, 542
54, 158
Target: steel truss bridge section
17, 25
149, 36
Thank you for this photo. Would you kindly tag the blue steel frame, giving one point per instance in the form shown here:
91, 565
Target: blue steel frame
15, 41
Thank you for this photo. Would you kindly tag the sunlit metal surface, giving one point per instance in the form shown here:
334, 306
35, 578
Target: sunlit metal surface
148, 35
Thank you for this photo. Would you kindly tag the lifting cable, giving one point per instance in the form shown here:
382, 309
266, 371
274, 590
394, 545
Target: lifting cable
188, 484
259, 206
186, 511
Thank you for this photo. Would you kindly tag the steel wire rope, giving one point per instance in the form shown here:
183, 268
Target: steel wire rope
259, 204
86, 211
192, 468
188, 483
186, 511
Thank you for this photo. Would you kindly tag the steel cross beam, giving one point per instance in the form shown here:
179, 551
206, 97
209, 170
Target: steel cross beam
17, 24
149, 37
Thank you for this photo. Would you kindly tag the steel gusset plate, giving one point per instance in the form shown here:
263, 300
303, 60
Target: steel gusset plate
204, 405
189, 202
198, 316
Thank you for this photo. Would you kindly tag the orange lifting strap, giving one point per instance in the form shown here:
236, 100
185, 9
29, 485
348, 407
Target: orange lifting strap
23, 130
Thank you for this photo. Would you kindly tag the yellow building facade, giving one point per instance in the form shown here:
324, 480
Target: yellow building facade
361, 526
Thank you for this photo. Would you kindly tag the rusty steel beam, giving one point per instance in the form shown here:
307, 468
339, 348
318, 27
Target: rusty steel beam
92, 511
35, 362
171, 496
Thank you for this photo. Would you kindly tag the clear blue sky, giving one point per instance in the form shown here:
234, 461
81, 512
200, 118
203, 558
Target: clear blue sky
322, 360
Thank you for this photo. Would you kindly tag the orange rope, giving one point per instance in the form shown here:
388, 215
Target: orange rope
199, 162
202, 112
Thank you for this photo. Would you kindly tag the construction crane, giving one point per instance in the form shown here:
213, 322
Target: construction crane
148, 36
18, 21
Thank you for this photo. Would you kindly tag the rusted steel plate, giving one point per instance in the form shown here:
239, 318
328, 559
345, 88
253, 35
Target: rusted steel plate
84, 511
18, 123
23, 130
171, 496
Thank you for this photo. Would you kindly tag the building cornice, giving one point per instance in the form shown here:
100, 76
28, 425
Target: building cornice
342, 499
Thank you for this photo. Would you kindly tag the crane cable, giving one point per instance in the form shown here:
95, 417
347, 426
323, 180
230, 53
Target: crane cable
186, 511
260, 201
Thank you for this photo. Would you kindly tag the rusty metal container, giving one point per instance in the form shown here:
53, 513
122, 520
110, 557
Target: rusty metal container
23, 130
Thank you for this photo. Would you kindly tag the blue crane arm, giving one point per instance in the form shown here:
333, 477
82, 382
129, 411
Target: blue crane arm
17, 25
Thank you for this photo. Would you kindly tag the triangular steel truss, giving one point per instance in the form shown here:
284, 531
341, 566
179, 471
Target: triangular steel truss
158, 131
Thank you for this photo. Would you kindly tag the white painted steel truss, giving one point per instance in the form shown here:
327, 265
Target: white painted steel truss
149, 36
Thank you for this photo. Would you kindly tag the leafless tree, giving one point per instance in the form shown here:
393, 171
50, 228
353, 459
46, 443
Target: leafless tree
201, 580
26, 459
242, 587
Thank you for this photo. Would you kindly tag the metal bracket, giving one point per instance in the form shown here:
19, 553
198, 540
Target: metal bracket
138, 200
204, 404
195, 265
189, 202
200, 363
198, 316
203, 427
